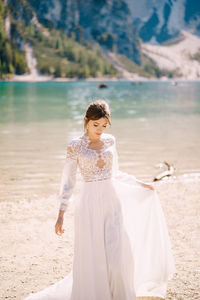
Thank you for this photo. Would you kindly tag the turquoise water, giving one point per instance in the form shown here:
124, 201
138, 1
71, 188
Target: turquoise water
26, 102
153, 122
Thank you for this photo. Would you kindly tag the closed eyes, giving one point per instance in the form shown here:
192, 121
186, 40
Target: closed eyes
95, 125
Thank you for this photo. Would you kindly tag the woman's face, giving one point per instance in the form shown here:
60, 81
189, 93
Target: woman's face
96, 127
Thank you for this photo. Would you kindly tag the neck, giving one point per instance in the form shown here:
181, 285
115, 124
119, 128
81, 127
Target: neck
93, 139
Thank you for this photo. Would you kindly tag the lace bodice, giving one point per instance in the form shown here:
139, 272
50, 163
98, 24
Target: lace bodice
94, 164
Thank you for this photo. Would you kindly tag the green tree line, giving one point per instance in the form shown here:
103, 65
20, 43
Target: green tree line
57, 54
12, 61
61, 56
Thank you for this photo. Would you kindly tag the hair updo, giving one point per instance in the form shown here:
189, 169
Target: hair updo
96, 110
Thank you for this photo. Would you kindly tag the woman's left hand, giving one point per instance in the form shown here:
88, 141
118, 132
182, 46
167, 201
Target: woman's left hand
148, 186
151, 187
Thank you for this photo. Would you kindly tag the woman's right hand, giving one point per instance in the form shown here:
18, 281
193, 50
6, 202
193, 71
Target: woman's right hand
58, 226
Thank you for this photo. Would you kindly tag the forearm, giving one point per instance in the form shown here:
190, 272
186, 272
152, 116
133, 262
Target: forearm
61, 213
67, 184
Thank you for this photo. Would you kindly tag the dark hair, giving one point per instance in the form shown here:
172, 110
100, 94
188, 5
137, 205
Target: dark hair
96, 110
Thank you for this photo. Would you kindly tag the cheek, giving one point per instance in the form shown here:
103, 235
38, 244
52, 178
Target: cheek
92, 127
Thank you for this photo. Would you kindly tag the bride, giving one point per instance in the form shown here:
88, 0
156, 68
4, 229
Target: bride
122, 248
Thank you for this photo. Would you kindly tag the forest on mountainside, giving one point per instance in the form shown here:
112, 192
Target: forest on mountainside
56, 53
12, 60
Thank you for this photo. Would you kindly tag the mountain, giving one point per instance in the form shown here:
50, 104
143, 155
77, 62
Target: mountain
117, 24
107, 22
56, 53
160, 20
116, 33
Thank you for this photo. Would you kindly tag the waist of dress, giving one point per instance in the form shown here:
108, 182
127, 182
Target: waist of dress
97, 179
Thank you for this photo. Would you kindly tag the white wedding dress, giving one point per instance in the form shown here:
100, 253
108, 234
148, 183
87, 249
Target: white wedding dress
122, 248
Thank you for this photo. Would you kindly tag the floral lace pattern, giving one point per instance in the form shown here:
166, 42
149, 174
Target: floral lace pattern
94, 165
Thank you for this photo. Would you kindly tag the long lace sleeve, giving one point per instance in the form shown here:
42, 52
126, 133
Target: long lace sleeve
123, 176
68, 178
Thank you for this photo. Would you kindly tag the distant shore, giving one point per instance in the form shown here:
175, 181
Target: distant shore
27, 78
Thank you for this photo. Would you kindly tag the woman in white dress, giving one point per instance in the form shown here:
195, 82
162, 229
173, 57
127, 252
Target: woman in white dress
122, 248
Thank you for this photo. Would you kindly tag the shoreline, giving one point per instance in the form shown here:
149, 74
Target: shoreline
99, 79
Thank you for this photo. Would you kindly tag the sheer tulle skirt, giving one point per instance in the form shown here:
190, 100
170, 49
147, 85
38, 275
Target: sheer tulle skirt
121, 249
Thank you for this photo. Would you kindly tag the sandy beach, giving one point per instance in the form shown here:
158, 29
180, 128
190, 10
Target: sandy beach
33, 256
